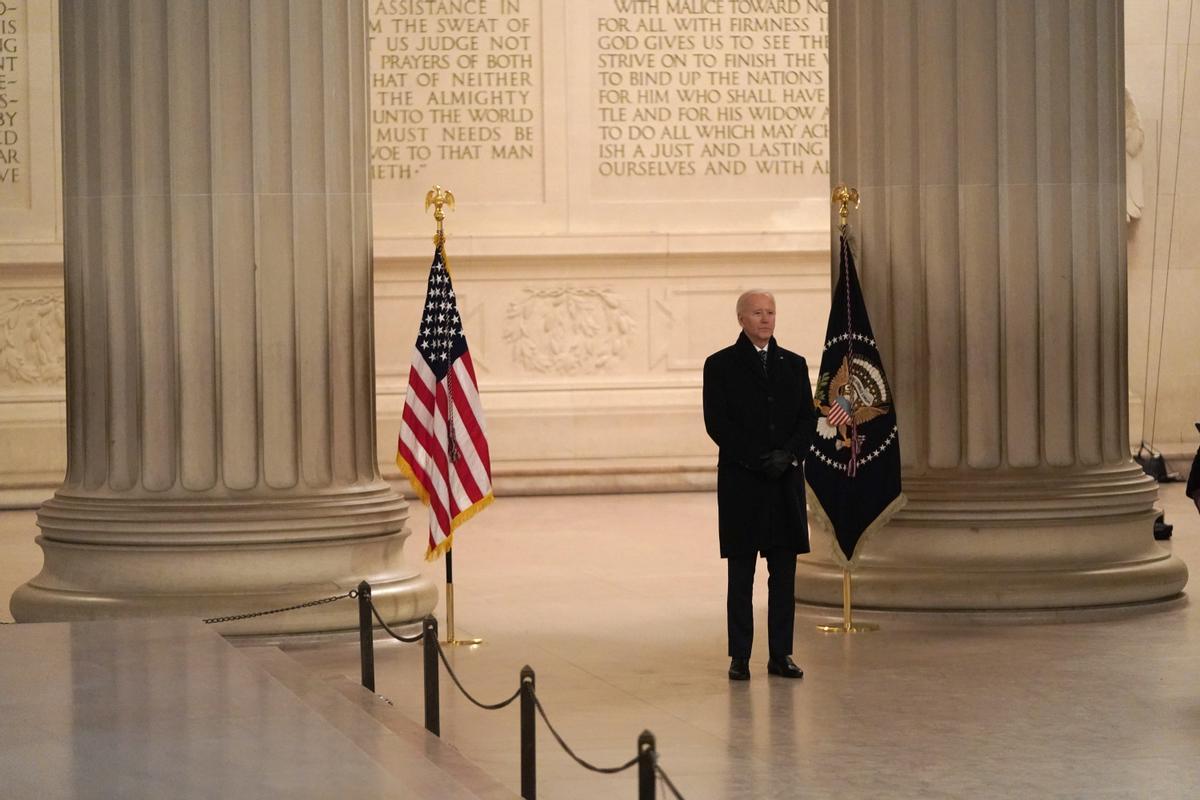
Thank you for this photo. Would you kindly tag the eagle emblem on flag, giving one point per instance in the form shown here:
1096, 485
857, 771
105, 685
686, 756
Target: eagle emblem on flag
855, 395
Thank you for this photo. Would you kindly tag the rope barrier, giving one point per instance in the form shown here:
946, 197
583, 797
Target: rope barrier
250, 615
392, 633
364, 596
581, 762
659, 771
489, 707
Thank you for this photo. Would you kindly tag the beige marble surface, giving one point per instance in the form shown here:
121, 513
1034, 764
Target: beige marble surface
617, 603
141, 709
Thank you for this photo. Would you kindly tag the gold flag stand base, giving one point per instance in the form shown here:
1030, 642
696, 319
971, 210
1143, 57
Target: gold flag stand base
848, 624
849, 627
450, 637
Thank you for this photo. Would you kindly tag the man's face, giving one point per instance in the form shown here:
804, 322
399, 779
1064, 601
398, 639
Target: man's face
757, 318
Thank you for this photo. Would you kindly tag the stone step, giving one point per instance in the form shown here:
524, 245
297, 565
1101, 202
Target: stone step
430, 767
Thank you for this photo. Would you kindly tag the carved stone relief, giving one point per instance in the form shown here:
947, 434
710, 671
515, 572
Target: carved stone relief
1135, 139
568, 330
32, 335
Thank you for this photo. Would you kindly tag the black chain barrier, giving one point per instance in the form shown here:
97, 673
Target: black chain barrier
649, 772
581, 762
489, 707
659, 771
250, 615
392, 633
442, 654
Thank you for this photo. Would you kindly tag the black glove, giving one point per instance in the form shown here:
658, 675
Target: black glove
775, 463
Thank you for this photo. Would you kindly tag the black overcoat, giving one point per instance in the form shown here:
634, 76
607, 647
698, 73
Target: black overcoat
748, 412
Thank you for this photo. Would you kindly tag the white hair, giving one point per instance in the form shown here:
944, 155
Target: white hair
745, 298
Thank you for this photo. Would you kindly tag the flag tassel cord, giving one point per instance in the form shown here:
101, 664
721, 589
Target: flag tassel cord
844, 196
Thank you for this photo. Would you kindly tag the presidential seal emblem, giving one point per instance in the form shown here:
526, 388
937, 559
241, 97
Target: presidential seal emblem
856, 394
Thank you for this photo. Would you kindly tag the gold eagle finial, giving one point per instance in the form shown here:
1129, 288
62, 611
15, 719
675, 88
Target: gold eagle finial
844, 197
439, 198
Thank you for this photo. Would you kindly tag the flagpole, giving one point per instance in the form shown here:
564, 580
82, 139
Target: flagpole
450, 638
845, 196
848, 624
439, 198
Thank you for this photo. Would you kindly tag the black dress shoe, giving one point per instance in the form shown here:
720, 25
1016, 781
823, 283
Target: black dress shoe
739, 669
783, 667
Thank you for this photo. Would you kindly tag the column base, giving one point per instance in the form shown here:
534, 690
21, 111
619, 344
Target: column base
149, 567
1007, 542
399, 594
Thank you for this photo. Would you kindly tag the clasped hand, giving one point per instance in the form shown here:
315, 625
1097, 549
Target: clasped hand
775, 462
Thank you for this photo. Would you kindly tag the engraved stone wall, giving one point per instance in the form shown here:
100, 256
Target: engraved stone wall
708, 91
619, 117
14, 104
456, 89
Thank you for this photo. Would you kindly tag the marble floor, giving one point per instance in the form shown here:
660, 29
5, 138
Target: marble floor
164, 708
617, 603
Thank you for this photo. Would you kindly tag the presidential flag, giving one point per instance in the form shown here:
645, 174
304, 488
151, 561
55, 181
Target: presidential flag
443, 449
853, 463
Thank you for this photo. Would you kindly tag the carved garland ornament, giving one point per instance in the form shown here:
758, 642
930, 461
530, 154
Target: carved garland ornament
568, 330
32, 335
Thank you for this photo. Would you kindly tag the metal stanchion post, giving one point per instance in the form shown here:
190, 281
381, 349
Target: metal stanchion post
646, 758
429, 641
366, 636
528, 736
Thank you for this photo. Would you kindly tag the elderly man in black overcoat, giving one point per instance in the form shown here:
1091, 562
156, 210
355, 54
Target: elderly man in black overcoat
758, 408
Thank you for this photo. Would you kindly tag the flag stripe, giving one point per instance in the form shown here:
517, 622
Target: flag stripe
421, 432
464, 368
837, 415
474, 445
438, 520
427, 459
455, 499
462, 478
471, 473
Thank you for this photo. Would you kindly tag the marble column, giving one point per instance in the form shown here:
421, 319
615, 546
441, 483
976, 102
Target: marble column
221, 416
986, 139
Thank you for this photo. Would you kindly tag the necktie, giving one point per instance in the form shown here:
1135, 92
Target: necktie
762, 356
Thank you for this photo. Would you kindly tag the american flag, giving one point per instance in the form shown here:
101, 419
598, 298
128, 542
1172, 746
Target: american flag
443, 449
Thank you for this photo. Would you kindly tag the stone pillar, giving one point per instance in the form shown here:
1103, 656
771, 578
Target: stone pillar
221, 417
986, 139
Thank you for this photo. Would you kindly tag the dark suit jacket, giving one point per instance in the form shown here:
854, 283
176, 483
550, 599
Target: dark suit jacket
749, 412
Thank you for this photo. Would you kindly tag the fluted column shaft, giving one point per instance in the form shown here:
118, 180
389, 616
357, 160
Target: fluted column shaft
986, 140
219, 316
